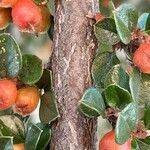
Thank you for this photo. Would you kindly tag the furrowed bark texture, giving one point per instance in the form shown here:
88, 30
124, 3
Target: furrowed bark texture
74, 48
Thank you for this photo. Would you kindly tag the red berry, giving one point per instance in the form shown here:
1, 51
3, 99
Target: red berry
141, 58
19, 146
99, 16
108, 143
8, 94
29, 17
27, 100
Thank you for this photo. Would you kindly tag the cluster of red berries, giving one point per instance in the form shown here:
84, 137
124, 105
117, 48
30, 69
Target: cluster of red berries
25, 14
24, 100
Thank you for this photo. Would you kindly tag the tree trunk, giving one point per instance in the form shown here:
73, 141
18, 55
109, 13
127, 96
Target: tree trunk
74, 49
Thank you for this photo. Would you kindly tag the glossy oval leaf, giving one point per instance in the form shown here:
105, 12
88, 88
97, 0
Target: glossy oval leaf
100, 67
10, 56
10, 125
122, 30
117, 76
116, 96
32, 137
126, 122
48, 108
32, 69
92, 103
135, 84
6, 143
45, 136
128, 14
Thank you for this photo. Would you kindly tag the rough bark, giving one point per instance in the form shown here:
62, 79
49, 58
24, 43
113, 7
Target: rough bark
74, 48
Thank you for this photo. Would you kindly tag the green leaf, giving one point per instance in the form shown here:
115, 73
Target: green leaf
105, 32
31, 70
135, 84
128, 14
12, 126
126, 122
45, 136
142, 21
116, 96
107, 24
6, 143
10, 56
100, 67
144, 144
8, 111
92, 103
146, 117
144, 96
32, 137
48, 108
51, 6
123, 31
117, 76
134, 145
46, 80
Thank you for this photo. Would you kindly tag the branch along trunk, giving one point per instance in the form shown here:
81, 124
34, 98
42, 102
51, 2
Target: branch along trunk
74, 49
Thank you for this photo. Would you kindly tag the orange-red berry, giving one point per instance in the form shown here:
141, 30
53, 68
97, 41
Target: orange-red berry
141, 58
29, 17
8, 94
27, 100
108, 143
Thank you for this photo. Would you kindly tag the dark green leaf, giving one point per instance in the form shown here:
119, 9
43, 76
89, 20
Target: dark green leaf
48, 108
147, 27
147, 117
107, 24
105, 32
126, 122
144, 144
128, 14
116, 96
117, 76
10, 56
45, 136
92, 103
6, 143
135, 84
31, 70
46, 80
8, 111
12, 126
32, 137
101, 65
